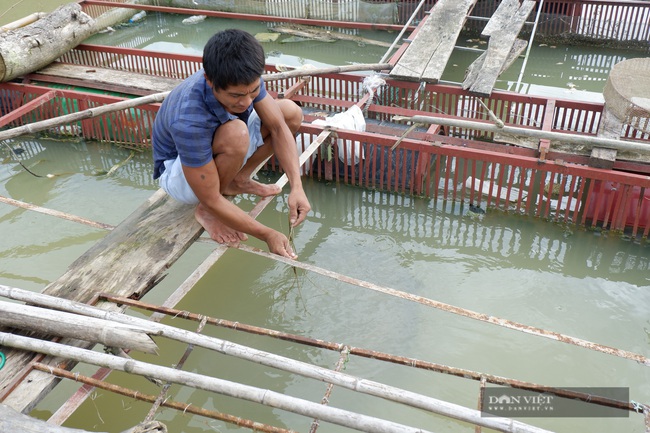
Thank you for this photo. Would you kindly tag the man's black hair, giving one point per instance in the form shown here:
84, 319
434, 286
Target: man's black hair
233, 57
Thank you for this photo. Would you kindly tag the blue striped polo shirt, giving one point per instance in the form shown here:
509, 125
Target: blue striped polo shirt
186, 122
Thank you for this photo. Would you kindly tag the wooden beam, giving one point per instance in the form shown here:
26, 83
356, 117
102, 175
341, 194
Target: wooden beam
102, 78
426, 57
130, 260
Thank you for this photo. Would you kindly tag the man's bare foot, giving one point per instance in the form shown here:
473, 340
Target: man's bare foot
250, 186
217, 230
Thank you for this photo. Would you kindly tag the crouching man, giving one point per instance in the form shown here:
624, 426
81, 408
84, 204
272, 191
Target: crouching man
215, 128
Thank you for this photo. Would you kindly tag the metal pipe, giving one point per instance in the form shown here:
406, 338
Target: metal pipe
530, 43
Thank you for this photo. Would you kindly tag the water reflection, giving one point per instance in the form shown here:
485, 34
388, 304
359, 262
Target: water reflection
538, 244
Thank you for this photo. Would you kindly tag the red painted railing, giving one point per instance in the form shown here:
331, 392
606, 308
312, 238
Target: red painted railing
441, 163
596, 19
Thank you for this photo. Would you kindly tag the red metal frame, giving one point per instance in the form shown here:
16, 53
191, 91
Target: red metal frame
435, 163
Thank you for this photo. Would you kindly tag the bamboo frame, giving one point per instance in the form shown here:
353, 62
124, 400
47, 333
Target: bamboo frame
185, 408
221, 386
286, 364
265, 397
372, 354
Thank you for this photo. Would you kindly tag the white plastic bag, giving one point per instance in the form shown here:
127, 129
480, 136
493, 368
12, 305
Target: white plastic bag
351, 119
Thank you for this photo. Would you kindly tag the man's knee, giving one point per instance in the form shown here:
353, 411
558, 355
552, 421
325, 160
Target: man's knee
292, 114
231, 138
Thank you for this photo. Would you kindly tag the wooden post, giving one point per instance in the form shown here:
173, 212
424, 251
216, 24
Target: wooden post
29, 48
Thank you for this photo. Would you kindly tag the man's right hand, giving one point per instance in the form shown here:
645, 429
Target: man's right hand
279, 244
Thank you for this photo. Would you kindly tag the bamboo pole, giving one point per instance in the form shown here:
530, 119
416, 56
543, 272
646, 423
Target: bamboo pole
162, 396
610, 143
274, 76
159, 97
22, 22
212, 384
556, 336
402, 31
55, 213
282, 363
80, 115
61, 324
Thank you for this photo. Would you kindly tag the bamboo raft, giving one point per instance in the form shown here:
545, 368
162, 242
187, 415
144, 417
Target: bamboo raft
413, 153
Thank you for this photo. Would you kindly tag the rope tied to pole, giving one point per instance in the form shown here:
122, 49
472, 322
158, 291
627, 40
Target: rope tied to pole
15, 156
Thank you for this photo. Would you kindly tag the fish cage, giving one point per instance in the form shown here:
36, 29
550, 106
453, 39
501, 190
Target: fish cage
462, 164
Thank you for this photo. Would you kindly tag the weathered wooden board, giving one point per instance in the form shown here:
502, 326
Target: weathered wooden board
503, 29
475, 70
127, 262
106, 79
426, 57
15, 422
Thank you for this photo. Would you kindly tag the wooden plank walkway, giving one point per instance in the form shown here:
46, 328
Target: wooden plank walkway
426, 57
129, 261
503, 48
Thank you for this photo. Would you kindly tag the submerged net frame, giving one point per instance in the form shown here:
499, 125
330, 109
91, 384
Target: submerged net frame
448, 163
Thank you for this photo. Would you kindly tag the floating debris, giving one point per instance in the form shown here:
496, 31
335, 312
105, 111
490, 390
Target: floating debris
194, 19
267, 37
138, 17
476, 209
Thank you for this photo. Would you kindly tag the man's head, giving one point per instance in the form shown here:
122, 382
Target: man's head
233, 57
